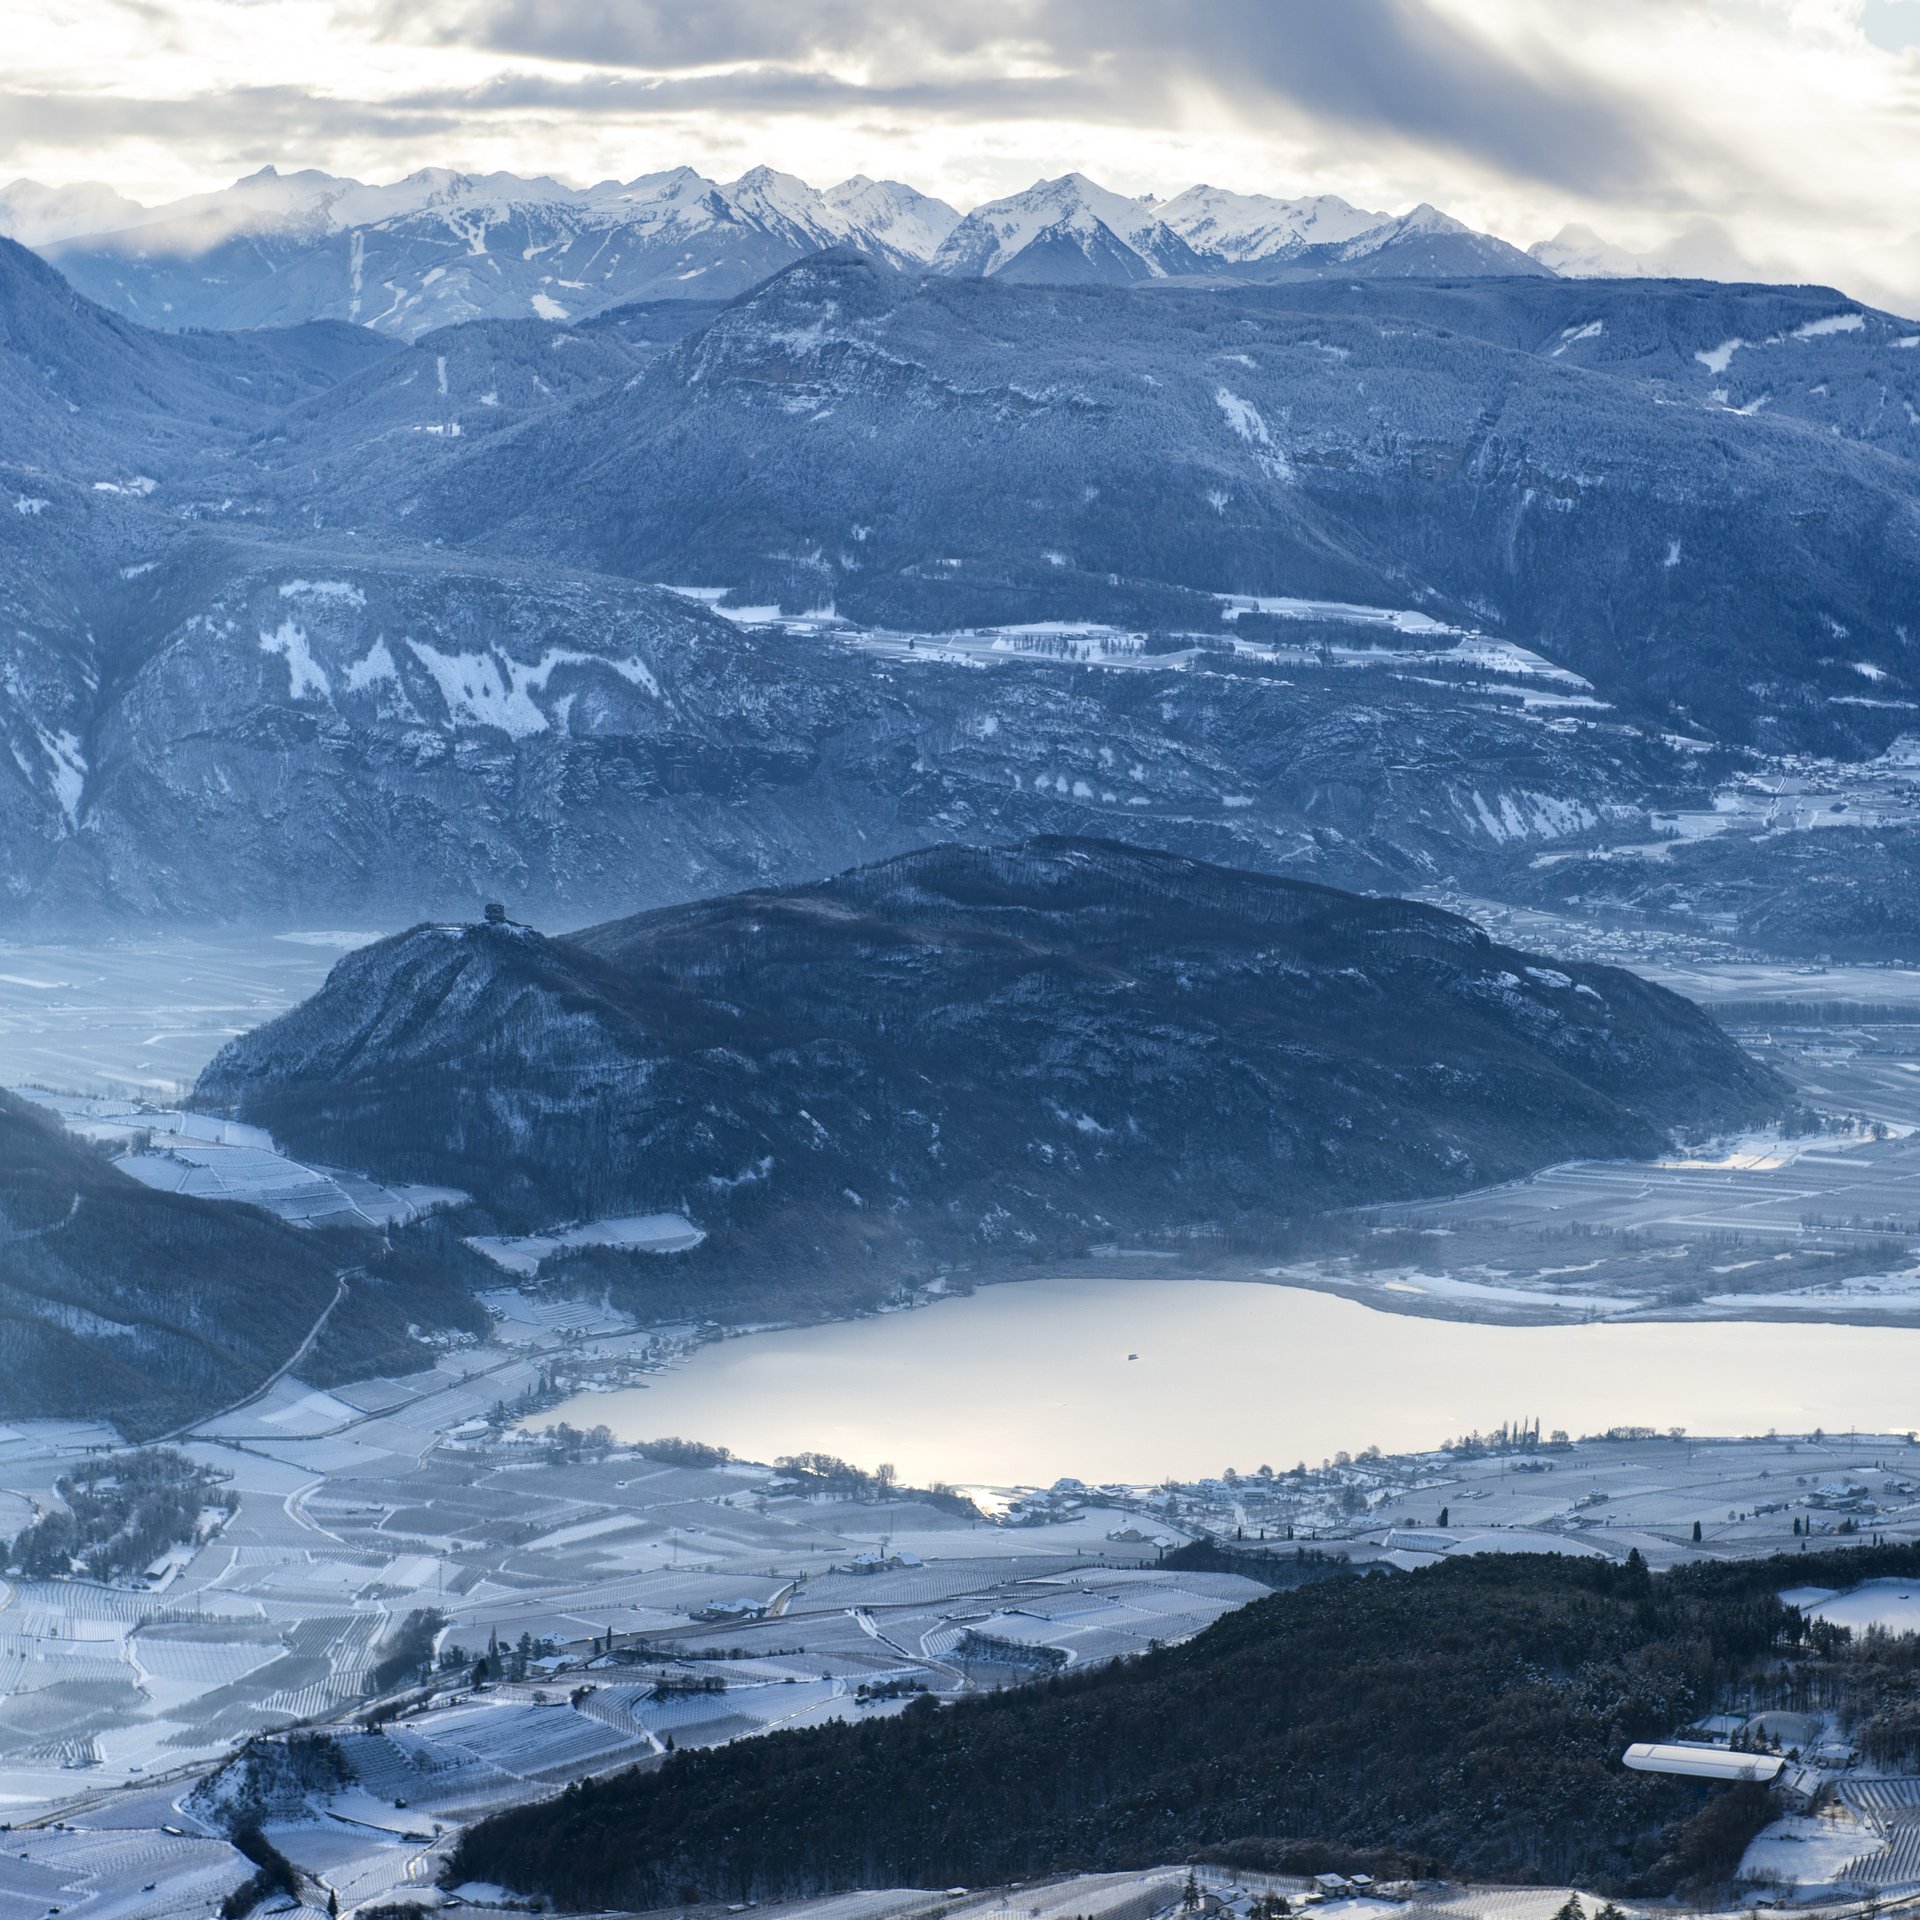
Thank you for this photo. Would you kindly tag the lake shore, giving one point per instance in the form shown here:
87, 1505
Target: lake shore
1142, 1379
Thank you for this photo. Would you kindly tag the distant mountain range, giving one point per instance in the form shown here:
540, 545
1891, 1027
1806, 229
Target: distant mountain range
1703, 250
440, 247
974, 1058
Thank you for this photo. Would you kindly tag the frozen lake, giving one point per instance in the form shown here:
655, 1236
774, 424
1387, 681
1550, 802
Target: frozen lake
1135, 1380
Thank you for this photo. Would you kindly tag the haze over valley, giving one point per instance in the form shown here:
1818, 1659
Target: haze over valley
969, 1050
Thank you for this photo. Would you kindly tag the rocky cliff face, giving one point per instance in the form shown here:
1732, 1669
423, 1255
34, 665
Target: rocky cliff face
1389, 583
1684, 525
279, 734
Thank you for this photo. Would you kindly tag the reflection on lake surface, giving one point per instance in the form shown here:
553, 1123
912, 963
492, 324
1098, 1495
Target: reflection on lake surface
1020, 1384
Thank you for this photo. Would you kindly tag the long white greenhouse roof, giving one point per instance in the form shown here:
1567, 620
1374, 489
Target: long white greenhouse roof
1701, 1762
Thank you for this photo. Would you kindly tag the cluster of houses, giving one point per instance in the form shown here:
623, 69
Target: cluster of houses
870, 1561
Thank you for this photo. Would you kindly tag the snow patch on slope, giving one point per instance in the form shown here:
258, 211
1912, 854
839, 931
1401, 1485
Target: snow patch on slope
68, 770
344, 592
304, 673
374, 668
491, 690
1850, 322
1244, 418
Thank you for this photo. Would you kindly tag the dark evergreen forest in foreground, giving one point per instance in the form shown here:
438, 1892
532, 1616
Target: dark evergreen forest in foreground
1466, 1719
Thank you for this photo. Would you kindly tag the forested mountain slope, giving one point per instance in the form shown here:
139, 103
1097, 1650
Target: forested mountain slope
977, 1057
144, 1309
925, 452
1468, 1718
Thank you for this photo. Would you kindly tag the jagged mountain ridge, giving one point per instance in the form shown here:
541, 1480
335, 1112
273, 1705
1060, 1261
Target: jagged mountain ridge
441, 247
978, 1056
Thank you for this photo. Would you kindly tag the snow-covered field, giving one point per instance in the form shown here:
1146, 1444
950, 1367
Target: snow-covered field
1810, 1852
1893, 1605
214, 1159
363, 1503
647, 1233
142, 1016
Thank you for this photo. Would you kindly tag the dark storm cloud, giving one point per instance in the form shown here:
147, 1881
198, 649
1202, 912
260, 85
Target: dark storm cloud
673, 36
758, 89
1389, 68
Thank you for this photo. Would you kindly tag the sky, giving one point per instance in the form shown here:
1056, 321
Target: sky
1782, 136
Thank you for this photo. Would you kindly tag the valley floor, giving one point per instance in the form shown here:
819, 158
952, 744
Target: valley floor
736, 1602
360, 1506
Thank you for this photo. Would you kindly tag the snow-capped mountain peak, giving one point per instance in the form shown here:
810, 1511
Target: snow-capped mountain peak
1427, 218
765, 195
35, 215
1257, 226
912, 222
1581, 254
1067, 219
1427, 243
673, 183
651, 200
1077, 200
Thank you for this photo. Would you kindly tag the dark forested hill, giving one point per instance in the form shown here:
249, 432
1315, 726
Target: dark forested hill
969, 1055
1469, 1717
148, 1310
141, 1308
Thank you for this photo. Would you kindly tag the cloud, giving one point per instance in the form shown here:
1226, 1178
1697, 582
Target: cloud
267, 120
1388, 68
669, 36
1893, 24
1402, 69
